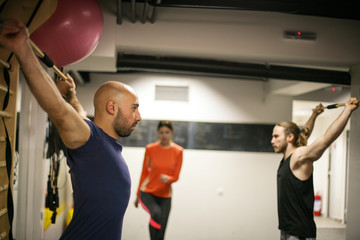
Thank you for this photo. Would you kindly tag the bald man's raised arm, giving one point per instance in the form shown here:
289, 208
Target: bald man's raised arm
72, 128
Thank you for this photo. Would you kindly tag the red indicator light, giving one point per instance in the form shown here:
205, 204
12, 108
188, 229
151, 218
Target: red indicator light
299, 33
333, 89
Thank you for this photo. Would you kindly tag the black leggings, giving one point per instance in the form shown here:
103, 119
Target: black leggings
159, 210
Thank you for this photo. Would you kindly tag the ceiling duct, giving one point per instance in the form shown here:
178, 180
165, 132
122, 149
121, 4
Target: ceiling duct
133, 10
119, 14
289, 6
123, 7
321, 8
206, 67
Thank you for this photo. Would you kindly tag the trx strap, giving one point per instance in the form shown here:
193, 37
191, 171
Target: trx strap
7, 80
2, 5
10, 203
55, 145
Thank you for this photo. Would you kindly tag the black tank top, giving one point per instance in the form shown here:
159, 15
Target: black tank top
295, 202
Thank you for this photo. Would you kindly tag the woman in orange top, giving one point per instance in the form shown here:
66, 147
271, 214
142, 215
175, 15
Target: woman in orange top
161, 168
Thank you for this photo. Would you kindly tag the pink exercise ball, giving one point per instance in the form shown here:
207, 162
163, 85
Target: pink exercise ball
72, 32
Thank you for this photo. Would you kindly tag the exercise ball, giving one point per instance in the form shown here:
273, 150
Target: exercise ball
72, 32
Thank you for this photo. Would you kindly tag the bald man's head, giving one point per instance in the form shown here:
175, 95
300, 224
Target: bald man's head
111, 90
116, 108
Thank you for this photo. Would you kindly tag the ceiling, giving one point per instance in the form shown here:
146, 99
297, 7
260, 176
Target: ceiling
147, 11
329, 8
225, 38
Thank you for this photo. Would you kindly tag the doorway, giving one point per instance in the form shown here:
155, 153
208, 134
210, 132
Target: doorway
330, 171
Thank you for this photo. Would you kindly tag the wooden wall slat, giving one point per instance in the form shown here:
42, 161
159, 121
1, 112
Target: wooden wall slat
22, 10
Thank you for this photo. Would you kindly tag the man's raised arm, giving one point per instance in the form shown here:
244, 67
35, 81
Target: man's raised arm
67, 89
309, 125
72, 128
316, 149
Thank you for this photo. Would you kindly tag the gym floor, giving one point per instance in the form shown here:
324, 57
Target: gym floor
330, 229
324, 222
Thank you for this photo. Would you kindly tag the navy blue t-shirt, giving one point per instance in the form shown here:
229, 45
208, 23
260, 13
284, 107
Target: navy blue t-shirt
101, 185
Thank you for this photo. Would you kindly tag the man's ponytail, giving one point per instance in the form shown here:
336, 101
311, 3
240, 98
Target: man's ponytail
300, 135
303, 136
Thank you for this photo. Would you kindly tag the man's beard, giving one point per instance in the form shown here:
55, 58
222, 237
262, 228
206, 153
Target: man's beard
281, 149
121, 126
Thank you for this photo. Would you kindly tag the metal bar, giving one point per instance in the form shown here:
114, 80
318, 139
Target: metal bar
42, 55
336, 105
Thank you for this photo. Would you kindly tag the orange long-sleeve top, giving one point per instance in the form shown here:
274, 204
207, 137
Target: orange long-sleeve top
159, 160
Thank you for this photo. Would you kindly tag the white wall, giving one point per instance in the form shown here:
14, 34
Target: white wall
210, 99
353, 211
29, 192
219, 195
247, 180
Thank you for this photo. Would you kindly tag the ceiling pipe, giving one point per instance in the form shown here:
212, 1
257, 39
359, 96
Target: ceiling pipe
118, 12
154, 12
332, 8
145, 11
256, 5
208, 67
133, 11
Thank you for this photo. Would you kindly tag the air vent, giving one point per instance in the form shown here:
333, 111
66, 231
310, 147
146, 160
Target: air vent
172, 93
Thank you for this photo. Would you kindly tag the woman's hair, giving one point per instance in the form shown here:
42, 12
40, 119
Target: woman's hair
165, 123
300, 134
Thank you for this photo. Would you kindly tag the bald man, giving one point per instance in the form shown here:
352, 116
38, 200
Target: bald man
99, 174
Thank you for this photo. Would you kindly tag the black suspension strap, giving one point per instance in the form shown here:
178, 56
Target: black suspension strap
10, 203
7, 95
3, 5
8, 156
55, 145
